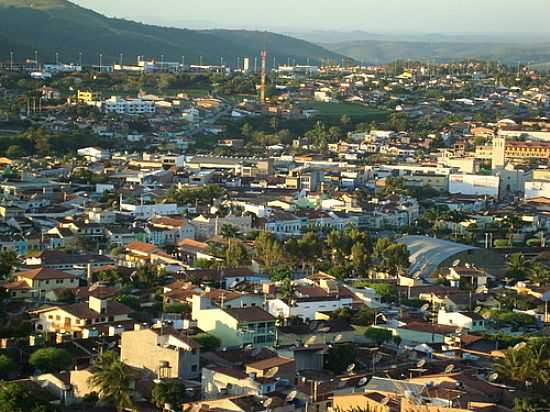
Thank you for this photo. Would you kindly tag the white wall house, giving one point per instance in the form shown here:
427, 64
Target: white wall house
467, 320
307, 307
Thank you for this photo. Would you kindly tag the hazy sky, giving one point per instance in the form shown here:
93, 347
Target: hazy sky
451, 16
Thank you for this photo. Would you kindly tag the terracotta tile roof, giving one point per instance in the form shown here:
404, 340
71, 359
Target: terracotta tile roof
83, 311
141, 247
20, 285
428, 327
270, 363
251, 314
45, 274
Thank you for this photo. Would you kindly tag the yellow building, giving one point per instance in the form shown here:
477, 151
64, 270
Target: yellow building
37, 282
88, 96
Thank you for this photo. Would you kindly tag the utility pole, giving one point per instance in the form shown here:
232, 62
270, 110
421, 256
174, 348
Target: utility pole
56, 58
121, 59
80, 59
11, 61
100, 62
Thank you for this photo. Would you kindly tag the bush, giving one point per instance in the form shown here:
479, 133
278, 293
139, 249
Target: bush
378, 335
340, 357
51, 360
501, 243
7, 367
207, 342
183, 308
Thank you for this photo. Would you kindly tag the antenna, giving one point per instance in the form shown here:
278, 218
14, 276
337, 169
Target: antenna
263, 76
271, 372
291, 396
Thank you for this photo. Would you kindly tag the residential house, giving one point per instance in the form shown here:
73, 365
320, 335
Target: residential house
163, 351
235, 327
79, 317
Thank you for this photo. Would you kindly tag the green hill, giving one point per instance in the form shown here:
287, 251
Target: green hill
384, 51
51, 26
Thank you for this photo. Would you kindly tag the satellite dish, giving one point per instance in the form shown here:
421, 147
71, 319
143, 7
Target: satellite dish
249, 347
324, 329
519, 346
421, 363
271, 372
492, 377
339, 338
291, 396
385, 401
350, 368
456, 263
425, 307
267, 402
478, 309
362, 381
449, 368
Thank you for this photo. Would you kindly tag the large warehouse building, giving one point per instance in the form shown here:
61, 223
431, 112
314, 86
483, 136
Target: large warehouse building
430, 256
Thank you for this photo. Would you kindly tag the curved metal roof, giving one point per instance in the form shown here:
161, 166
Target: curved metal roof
428, 253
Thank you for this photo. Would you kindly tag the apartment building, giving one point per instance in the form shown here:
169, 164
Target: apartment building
128, 106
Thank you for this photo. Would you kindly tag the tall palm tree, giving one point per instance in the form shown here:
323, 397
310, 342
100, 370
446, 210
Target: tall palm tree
539, 274
518, 266
111, 380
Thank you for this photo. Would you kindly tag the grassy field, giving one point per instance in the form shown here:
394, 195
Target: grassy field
356, 111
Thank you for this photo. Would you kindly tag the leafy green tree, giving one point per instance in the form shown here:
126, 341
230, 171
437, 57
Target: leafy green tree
51, 360
208, 342
281, 273
340, 357
15, 397
269, 250
8, 259
111, 380
236, 254
378, 335
7, 367
172, 393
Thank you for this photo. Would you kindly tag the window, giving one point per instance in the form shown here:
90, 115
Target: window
194, 368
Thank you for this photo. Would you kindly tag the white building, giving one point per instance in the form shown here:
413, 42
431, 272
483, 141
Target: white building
148, 211
466, 320
94, 154
478, 185
306, 307
128, 106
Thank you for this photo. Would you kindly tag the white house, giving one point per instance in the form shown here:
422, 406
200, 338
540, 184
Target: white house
466, 320
94, 154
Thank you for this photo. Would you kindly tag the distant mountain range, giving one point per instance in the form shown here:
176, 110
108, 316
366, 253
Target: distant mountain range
51, 26
384, 48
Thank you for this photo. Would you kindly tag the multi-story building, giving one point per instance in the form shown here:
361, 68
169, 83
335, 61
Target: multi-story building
128, 106
235, 327
164, 352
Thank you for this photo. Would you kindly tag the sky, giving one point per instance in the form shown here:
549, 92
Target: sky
383, 16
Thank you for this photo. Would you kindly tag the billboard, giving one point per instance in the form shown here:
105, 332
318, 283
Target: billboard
474, 185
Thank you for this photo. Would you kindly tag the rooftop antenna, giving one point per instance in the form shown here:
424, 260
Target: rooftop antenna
264, 76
